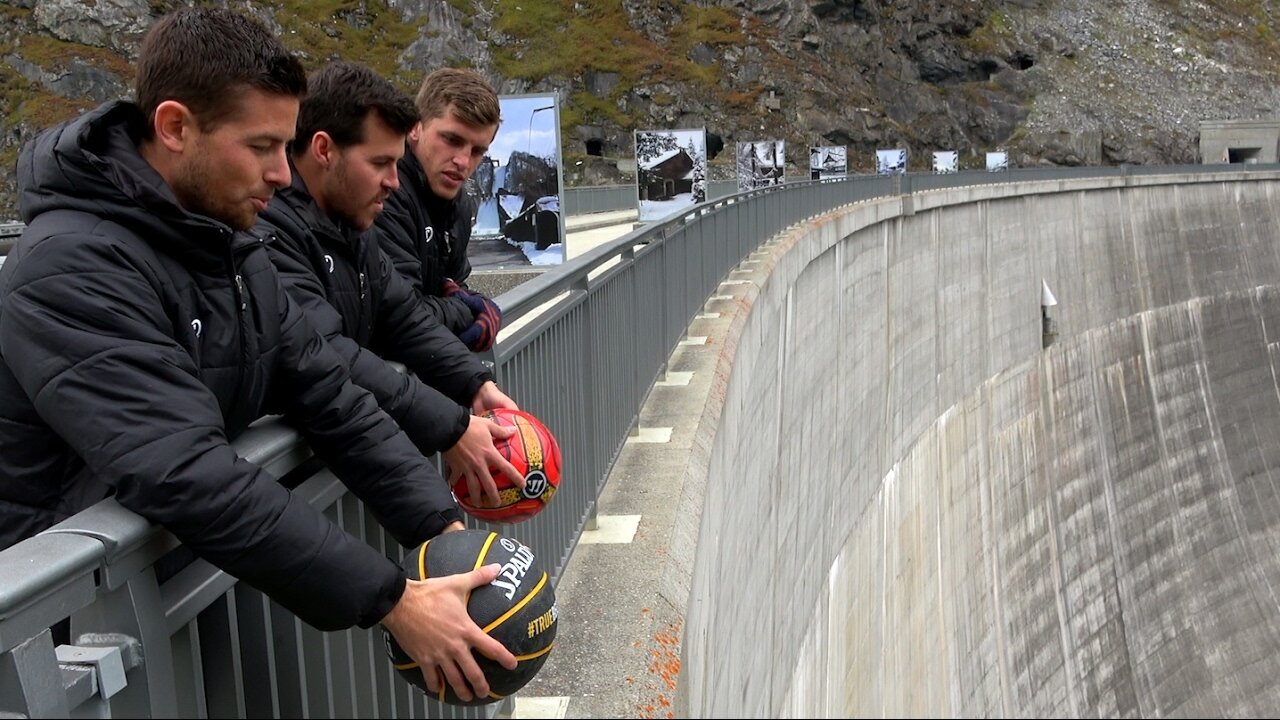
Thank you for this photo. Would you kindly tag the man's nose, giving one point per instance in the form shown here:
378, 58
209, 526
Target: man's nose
277, 173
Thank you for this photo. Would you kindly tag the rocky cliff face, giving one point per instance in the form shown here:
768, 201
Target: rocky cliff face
1051, 81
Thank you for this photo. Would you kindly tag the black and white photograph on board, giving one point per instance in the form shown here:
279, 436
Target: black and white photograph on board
828, 161
761, 163
945, 162
516, 190
671, 171
997, 161
891, 162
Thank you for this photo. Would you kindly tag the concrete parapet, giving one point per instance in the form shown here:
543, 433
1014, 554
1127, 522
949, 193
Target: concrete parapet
912, 508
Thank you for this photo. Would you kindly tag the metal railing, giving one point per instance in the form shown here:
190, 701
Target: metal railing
156, 634
587, 199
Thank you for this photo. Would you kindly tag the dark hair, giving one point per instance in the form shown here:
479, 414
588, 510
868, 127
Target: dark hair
471, 96
205, 57
340, 96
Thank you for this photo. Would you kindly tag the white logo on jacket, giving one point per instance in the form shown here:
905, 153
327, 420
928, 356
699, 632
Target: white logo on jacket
328, 262
197, 327
429, 233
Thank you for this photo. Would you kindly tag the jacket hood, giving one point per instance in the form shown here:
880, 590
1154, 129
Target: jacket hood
92, 164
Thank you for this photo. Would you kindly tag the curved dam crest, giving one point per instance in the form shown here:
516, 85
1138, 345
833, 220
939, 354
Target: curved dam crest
914, 509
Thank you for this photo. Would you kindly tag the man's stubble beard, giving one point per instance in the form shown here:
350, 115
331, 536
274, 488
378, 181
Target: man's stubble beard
191, 186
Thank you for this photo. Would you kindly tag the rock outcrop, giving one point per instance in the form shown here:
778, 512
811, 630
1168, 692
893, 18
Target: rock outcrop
1053, 82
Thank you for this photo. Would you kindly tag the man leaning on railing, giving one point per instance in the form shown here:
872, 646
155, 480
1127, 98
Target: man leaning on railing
139, 331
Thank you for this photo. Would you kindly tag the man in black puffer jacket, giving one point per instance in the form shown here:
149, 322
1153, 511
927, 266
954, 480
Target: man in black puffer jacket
139, 332
423, 229
351, 130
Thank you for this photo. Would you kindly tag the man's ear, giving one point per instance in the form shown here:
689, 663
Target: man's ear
323, 149
173, 125
415, 132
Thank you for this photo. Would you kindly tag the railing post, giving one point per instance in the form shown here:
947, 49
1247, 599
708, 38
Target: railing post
135, 610
31, 683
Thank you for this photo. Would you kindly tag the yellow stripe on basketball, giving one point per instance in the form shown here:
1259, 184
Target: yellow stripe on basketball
485, 550
540, 653
406, 666
532, 445
466, 601
516, 608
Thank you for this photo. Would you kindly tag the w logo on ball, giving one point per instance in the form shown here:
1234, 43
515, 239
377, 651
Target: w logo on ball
535, 483
533, 452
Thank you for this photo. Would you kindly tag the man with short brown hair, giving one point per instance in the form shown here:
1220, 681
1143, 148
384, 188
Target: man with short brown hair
422, 228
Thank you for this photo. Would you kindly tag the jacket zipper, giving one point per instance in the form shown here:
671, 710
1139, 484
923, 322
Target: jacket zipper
242, 300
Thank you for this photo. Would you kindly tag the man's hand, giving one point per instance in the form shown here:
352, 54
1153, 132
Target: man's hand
484, 331
489, 397
432, 626
473, 455
481, 335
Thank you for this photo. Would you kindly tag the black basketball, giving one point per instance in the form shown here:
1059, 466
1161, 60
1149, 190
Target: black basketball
518, 608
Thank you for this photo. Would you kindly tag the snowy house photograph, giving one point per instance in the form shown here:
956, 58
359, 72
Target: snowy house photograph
828, 161
891, 162
671, 171
761, 163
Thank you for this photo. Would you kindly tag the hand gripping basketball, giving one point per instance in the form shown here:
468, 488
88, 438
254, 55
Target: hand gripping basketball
534, 452
518, 608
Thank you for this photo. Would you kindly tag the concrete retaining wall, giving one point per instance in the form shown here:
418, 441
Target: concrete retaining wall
913, 509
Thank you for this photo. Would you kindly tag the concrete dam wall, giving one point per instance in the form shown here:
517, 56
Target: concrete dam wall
914, 509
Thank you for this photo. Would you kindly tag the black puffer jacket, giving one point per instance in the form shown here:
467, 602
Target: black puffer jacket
426, 238
350, 292
136, 338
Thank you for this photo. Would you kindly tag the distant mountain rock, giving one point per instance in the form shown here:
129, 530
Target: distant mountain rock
1053, 82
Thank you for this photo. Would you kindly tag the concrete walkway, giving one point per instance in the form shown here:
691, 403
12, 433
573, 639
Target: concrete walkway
590, 221
584, 232
617, 647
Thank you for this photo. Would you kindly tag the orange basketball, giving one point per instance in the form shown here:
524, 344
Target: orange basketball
534, 452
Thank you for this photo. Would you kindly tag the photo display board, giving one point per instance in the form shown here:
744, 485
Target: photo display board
517, 191
671, 171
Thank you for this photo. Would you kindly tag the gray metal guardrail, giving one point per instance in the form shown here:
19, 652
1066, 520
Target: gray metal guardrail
590, 339
587, 199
